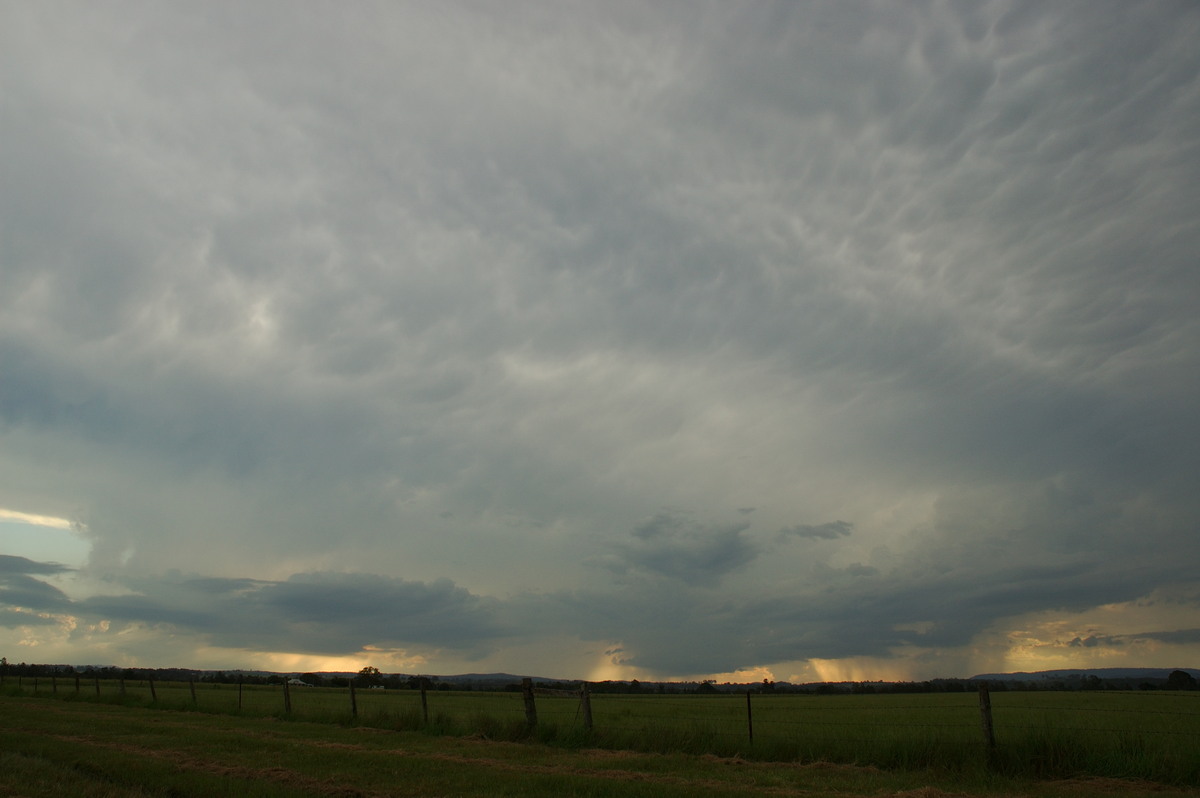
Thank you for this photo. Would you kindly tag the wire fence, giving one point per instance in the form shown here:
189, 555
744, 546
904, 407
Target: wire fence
1148, 734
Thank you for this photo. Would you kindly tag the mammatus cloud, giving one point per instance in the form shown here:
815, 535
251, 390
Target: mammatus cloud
464, 297
829, 531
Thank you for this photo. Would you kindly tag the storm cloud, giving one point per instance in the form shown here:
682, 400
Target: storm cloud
471, 335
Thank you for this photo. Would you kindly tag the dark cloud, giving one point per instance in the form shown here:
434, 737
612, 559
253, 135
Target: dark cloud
473, 292
1175, 637
325, 613
1091, 641
1172, 637
26, 599
828, 531
21, 592
22, 565
678, 547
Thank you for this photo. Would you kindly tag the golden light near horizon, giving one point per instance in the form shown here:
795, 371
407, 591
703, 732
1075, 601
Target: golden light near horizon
1110, 635
286, 662
742, 676
608, 667
860, 669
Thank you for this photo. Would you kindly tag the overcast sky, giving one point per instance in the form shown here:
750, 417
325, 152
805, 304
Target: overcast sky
601, 340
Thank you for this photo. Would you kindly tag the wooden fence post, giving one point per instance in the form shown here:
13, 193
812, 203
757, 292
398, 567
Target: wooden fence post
53, 684
353, 700
530, 706
122, 683
585, 699
77, 684
424, 701
749, 717
985, 714
287, 698
239, 692
192, 685
97, 678
153, 692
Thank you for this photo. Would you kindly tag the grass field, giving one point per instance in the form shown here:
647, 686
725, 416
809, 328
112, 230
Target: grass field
909, 741
110, 750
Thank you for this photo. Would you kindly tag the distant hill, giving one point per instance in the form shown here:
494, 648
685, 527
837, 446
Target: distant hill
1058, 679
1101, 673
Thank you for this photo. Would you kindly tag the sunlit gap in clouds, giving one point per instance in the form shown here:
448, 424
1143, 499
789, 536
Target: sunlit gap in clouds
284, 662
860, 669
42, 537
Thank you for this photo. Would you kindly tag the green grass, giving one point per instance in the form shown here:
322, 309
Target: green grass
87, 748
1143, 735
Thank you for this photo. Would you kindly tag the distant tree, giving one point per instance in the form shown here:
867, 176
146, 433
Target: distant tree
1181, 680
370, 675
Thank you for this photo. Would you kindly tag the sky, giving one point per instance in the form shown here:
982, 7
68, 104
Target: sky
674, 340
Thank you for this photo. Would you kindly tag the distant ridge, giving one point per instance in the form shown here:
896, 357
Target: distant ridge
1102, 673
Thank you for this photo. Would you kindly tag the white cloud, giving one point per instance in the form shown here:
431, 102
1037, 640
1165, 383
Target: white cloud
36, 520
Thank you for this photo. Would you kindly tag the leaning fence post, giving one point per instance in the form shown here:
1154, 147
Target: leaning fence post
239, 692
530, 706
353, 701
424, 702
153, 692
192, 685
985, 713
77, 683
585, 699
749, 717
97, 678
287, 698
54, 684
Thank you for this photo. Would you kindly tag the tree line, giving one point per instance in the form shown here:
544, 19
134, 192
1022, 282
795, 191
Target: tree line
370, 676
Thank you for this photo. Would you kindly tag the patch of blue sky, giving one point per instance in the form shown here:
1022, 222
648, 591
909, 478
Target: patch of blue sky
42, 542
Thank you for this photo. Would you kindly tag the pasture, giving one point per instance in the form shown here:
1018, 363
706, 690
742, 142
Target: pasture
1041, 738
